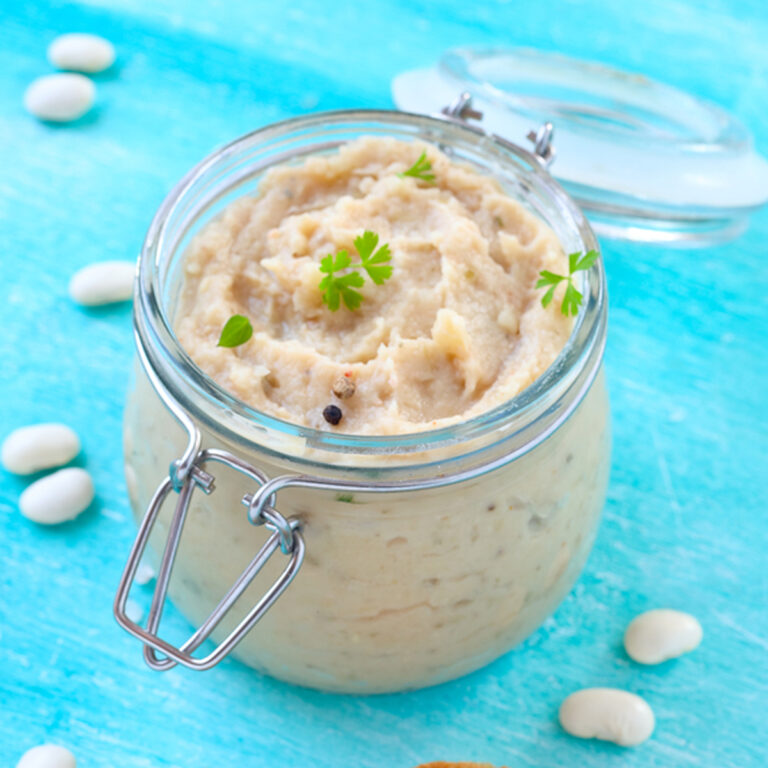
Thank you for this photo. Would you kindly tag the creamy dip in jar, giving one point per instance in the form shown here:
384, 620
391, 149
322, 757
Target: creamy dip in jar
453, 506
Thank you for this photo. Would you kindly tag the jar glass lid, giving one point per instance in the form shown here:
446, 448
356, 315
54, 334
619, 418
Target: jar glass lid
645, 161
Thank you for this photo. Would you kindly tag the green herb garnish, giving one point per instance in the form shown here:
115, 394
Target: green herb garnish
342, 288
572, 297
420, 170
236, 331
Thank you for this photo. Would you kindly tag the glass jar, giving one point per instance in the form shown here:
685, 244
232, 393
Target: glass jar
417, 558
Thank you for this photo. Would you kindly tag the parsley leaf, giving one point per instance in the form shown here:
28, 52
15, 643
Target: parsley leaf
352, 299
365, 245
338, 289
587, 260
421, 170
549, 278
236, 331
546, 299
571, 300
572, 297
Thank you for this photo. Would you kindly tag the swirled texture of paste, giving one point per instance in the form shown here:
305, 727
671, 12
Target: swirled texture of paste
457, 330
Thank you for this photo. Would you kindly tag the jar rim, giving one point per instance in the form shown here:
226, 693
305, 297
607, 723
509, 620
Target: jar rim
180, 374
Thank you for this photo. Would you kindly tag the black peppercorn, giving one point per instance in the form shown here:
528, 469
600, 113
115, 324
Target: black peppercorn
332, 414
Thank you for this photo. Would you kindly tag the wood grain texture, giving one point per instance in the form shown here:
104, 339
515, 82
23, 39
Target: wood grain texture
685, 524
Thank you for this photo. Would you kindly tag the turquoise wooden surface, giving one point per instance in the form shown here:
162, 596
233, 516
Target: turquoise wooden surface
685, 524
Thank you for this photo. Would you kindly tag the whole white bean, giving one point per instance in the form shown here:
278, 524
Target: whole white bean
144, 574
60, 98
104, 282
608, 714
47, 756
134, 611
81, 52
58, 497
40, 446
661, 634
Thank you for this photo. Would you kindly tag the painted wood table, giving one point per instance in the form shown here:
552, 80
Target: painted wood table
685, 524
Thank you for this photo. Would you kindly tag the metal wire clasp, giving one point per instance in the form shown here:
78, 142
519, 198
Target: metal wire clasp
542, 143
185, 476
461, 109
286, 536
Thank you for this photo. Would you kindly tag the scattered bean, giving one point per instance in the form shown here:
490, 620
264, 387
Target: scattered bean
134, 611
40, 446
47, 756
104, 282
60, 496
144, 574
658, 635
81, 52
608, 714
344, 387
60, 98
